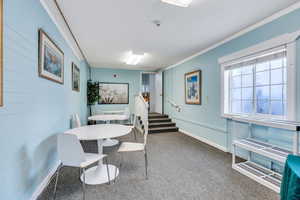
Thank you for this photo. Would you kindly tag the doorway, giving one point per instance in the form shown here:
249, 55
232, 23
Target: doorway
152, 90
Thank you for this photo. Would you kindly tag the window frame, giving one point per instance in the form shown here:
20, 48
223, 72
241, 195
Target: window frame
287, 40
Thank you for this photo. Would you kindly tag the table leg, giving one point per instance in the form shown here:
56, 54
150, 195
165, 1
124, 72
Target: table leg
110, 142
98, 174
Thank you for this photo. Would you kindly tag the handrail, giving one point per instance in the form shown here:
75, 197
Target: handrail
142, 99
173, 104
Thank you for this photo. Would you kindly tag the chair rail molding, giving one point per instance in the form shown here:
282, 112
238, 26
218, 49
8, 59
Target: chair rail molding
58, 19
204, 125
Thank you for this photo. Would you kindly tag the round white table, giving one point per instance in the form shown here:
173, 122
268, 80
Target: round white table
98, 174
107, 118
113, 111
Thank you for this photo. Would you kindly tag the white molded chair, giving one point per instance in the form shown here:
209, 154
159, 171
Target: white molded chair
71, 154
136, 147
127, 119
127, 112
76, 121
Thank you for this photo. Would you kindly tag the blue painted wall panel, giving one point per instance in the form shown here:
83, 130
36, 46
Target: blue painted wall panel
133, 77
35, 109
207, 116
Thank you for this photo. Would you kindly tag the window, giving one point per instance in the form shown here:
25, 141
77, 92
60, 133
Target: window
258, 86
260, 82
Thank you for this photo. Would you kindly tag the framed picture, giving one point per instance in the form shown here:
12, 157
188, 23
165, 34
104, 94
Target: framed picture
75, 78
51, 59
1, 53
193, 81
113, 93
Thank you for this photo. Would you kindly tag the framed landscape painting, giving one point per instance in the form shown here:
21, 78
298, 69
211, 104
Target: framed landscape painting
193, 81
113, 93
51, 59
75, 78
1, 53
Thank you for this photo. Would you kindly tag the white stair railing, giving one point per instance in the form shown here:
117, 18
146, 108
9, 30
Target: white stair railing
141, 110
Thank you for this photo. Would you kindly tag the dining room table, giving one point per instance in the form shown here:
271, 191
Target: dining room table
99, 174
107, 118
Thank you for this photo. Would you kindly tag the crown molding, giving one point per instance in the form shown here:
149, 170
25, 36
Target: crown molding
240, 33
58, 19
261, 47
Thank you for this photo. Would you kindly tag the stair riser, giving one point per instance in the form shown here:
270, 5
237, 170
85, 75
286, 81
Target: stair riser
161, 125
160, 120
164, 130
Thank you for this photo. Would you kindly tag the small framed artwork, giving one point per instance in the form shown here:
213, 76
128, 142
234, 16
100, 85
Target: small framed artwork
1, 53
51, 59
193, 84
75, 78
113, 93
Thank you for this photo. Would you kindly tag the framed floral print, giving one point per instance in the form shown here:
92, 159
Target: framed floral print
113, 93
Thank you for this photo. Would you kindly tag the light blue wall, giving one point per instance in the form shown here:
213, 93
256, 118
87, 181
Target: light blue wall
35, 109
205, 120
133, 77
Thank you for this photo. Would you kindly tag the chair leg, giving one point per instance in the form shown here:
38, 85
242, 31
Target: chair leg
120, 165
146, 164
83, 183
134, 133
107, 169
56, 181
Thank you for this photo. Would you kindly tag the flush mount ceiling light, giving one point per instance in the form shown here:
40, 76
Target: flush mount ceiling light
181, 3
133, 59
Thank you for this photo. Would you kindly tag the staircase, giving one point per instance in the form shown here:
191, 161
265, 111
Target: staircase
159, 123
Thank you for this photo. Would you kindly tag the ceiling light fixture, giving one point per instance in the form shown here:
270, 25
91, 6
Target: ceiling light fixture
181, 3
133, 59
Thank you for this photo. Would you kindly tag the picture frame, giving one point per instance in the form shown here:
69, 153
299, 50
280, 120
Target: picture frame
51, 59
193, 87
113, 93
1, 53
75, 78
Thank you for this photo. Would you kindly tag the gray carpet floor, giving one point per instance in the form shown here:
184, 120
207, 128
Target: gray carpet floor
180, 168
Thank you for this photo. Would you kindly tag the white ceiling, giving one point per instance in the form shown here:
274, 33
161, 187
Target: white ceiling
107, 30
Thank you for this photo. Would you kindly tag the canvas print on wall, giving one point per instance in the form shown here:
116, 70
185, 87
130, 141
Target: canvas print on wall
1, 52
75, 78
193, 87
51, 59
113, 93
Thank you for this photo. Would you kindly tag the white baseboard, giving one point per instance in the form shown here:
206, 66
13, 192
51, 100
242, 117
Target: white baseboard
44, 183
204, 140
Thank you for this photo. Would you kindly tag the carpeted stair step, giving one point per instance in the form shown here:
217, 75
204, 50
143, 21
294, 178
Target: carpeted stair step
158, 120
161, 124
163, 129
157, 116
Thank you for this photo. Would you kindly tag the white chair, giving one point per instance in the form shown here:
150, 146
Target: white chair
76, 121
71, 154
127, 118
127, 112
136, 147
136, 126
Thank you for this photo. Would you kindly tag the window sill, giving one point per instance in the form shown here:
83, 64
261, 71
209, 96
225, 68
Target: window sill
269, 122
